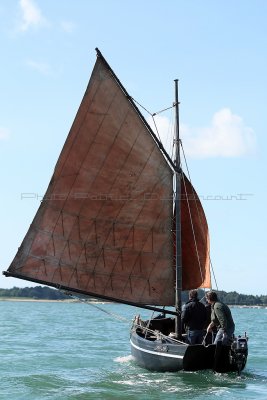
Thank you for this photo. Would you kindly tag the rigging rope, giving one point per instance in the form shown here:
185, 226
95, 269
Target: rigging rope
116, 316
154, 114
189, 177
193, 229
165, 109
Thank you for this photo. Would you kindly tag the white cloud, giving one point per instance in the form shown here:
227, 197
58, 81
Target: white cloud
31, 15
3, 133
42, 68
226, 136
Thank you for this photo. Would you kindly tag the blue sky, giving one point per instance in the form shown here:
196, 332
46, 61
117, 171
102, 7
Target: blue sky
217, 50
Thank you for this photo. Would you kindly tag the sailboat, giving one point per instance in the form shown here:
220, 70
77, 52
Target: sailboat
120, 221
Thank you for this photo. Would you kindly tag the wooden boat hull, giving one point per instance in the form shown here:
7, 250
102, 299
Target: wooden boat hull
162, 354
157, 355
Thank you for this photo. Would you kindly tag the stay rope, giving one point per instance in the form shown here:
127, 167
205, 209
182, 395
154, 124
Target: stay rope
188, 173
89, 303
152, 115
192, 226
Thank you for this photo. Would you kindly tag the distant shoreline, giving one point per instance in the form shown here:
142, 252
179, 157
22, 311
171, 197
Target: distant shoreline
244, 306
25, 299
28, 299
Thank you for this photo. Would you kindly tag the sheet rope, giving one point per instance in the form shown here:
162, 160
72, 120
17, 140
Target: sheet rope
89, 303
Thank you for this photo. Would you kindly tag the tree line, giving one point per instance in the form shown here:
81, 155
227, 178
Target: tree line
47, 293
37, 292
234, 298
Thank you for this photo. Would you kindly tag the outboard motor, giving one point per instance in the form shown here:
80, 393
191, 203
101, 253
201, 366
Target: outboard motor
239, 352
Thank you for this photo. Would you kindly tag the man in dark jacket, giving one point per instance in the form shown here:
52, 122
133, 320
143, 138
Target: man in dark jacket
194, 317
221, 317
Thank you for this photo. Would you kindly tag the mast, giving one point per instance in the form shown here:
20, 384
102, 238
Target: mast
178, 249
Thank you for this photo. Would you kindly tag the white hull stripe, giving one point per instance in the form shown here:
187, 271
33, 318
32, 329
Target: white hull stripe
156, 352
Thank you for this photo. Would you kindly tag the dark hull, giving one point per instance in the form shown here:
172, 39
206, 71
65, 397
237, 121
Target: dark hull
156, 355
160, 353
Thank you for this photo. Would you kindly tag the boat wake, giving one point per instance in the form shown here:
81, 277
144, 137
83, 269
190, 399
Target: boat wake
124, 359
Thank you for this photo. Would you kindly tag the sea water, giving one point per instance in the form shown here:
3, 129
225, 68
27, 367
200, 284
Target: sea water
59, 350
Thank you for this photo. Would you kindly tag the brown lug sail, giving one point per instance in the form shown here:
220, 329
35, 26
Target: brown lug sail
104, 227
105, 223
195, 240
